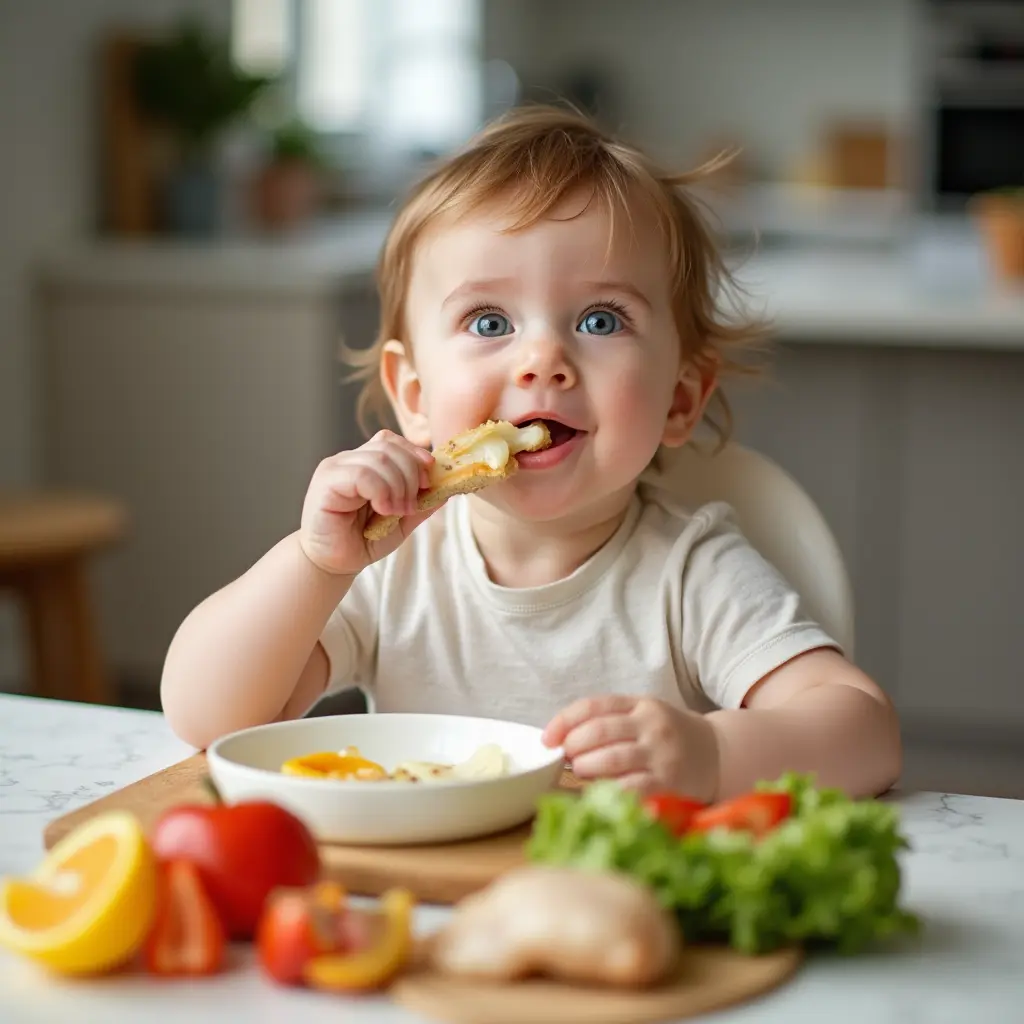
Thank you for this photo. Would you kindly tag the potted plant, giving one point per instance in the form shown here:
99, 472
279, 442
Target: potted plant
287, 188
188, 84
1000, 218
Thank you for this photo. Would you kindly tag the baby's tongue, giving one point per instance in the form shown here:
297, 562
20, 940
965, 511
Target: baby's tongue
559, 432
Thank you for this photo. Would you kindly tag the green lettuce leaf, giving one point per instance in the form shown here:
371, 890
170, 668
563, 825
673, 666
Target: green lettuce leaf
827, 875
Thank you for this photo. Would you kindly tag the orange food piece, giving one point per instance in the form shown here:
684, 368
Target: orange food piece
298, 925
328, 765
374, 965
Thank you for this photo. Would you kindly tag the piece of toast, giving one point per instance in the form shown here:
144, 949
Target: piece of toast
456, 470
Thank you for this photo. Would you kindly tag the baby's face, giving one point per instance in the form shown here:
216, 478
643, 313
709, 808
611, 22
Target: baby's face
549, 322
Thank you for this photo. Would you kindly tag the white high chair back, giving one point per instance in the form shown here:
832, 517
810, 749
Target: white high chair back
779, 518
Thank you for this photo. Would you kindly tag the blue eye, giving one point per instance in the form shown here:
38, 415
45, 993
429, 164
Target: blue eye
491, 325
601, 322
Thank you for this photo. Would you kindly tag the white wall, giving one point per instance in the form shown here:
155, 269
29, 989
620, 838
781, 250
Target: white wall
48, 151
764, 72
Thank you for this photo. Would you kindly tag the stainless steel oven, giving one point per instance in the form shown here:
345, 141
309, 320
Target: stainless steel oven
974, 118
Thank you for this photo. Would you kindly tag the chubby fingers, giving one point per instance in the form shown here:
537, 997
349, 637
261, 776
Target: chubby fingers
557, 731
406, 466
612, 762
386, 480
387, 473
597, 733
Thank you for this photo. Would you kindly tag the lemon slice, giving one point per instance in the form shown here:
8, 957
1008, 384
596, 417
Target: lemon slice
88, 907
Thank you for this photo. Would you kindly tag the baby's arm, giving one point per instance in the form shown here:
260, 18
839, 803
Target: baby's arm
789, 701
250, 653
815, 713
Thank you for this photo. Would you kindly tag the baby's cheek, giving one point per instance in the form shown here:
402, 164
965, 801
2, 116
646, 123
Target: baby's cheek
634, 400
457, 402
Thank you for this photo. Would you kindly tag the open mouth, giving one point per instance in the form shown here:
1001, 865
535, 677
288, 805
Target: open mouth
560, 432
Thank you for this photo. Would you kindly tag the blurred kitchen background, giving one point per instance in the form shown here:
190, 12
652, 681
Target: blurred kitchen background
193, 192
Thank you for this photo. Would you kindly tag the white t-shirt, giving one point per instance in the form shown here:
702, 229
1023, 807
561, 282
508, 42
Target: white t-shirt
677, 606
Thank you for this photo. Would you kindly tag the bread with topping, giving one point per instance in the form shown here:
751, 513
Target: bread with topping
469, 462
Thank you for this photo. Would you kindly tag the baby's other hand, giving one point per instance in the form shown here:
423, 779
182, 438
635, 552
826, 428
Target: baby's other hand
643, 743
385, 475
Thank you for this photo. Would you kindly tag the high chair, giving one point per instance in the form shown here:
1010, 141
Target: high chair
781, 520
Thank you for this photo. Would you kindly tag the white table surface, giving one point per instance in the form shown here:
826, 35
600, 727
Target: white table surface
965, 875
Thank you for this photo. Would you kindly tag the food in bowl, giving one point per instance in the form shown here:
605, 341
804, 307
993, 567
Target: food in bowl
247, 765
488, 761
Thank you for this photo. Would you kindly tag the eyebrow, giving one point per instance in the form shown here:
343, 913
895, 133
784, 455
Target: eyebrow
623, 287
490, 284
470, 288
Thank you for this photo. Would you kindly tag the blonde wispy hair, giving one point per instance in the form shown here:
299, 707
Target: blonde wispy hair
531, 159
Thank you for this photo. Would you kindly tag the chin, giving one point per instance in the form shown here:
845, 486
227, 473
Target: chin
540, 505
531, 508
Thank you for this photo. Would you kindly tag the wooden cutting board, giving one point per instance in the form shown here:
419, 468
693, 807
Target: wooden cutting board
707, 978
440, 873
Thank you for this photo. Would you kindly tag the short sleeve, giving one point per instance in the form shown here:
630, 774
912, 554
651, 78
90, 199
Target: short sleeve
741, 618
350, 636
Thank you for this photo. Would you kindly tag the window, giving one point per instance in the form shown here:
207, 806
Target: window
405, 73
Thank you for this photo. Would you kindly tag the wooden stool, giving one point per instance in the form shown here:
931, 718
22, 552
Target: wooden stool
45, 543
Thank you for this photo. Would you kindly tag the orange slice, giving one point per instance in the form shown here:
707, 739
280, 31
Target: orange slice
87, 908
328, 765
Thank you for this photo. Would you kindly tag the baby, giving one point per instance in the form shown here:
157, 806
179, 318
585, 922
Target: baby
546, 271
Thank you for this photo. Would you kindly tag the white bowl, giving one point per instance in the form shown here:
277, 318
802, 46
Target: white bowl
246, 766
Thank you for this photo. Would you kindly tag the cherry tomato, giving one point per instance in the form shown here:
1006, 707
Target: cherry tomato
298, 925
755, 812
243, 852
310, 937
675, 812
382, 949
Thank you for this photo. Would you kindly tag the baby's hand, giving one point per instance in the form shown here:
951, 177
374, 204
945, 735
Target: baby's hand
644, 744
384, 476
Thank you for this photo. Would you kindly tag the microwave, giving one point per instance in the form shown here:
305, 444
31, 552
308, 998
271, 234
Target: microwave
974, 121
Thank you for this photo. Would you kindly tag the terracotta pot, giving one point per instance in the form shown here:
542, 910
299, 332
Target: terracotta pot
285, 195
1001, 223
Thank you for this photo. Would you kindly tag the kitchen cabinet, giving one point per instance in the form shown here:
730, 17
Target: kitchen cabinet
204, 403
913, 454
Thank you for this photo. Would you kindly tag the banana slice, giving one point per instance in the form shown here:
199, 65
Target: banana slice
488, 762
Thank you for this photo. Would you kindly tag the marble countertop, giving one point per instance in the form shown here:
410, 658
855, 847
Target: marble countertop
964, 875
929, 289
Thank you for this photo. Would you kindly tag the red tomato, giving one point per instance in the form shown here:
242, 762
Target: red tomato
673, 811
187, 936
302, 925
243, 852
298, 925
755, 812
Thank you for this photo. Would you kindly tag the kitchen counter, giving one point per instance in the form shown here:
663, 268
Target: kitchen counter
965, 876
928, 290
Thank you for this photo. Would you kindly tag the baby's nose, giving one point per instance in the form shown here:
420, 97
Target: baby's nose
545, 363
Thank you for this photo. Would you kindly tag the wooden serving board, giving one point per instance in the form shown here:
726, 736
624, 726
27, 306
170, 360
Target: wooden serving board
438, 873
707, 978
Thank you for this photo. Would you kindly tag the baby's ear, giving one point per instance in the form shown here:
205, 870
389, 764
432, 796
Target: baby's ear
402, 384
694, 389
